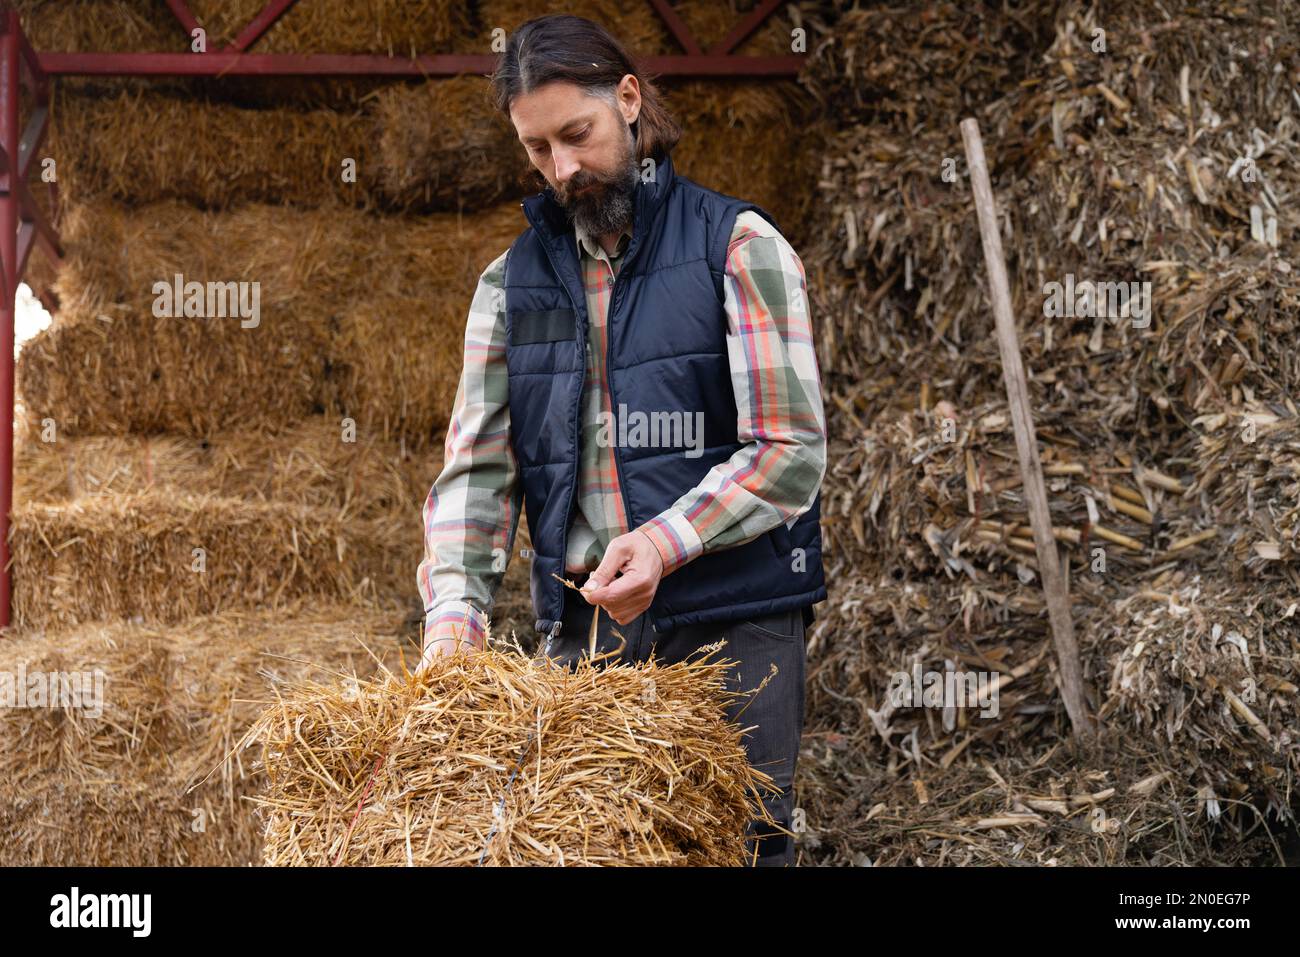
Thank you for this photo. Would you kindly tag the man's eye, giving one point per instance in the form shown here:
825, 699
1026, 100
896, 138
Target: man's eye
579, 137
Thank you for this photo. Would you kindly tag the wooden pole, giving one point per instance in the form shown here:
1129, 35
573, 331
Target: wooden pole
1031, 469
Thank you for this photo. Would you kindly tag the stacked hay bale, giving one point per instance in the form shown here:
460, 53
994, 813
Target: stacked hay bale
1164, 438
628, 765
342, 298
199, 498
144, 770
197, 493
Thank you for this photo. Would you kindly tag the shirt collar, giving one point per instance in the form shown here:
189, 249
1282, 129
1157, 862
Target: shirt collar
592, 245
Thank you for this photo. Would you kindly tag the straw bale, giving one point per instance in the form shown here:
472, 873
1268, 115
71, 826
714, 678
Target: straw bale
394, 27
108, 26
497, 758
113, 789
643, 32
315, 463
396, 359
139, 146
763, 121
99, 373
127, 821
442, 145
165, 556
710, 21
359, 315
636, 25
434, 146
309, 466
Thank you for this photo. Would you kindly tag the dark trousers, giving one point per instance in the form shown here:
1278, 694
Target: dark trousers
776, 713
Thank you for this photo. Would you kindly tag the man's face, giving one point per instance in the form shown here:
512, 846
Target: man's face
584, 149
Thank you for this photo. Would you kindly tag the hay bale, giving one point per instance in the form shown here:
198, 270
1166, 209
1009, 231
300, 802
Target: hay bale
760, 120
205, 152
511, 761
641, 30
165, 556
106, 26
637, 25
442, 145
313, 464
125, 822
113, 789
396, 359
92, 373
393, 27
345, 298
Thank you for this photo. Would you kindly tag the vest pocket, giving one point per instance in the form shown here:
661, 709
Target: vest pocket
542, 325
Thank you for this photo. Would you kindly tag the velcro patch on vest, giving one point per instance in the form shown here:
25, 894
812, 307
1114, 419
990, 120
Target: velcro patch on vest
546, 325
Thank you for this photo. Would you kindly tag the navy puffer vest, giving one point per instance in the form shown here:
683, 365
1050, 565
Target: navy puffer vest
667, 354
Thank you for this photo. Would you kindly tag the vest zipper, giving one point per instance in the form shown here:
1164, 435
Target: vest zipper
577, 421
555, 630
609, 379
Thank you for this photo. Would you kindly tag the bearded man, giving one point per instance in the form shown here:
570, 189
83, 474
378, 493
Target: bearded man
635, 292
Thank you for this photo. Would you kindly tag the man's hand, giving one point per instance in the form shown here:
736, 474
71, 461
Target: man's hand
448, 638
626, 596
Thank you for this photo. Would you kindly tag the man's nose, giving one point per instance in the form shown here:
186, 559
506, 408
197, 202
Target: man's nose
566, 165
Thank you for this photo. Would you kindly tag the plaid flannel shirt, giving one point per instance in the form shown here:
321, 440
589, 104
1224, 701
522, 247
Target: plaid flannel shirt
472, 512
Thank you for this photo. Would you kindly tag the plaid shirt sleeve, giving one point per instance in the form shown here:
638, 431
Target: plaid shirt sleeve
775, 477
472, 511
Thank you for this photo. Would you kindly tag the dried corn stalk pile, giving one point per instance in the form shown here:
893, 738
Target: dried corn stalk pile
496, 758
1168, 441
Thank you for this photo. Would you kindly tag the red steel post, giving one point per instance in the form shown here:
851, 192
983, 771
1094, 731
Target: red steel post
9, 199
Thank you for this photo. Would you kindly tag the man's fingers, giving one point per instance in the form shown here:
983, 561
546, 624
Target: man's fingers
445, 647
624, 598
619, 589
616, 555
603, 595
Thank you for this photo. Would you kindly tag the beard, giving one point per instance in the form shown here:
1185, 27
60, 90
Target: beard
599, 203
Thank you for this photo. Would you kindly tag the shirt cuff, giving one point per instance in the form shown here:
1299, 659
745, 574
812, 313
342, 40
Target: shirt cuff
455, 619
675, 538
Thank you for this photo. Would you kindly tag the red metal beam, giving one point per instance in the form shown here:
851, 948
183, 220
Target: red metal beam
31, 213
676, 26
184, 15
10, 60
743, 29
259, 25
233, 61
37, 81
26, 239
33, 136
356, 64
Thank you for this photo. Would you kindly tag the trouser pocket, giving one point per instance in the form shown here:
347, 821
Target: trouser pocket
785, 625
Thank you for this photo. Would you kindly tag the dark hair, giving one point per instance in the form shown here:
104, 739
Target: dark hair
576, 50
